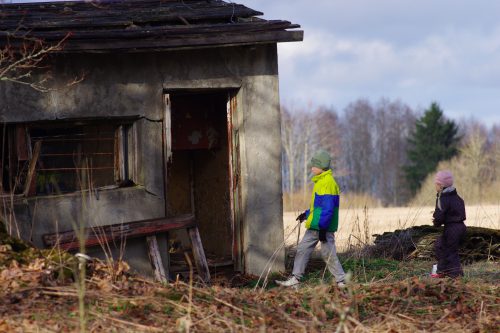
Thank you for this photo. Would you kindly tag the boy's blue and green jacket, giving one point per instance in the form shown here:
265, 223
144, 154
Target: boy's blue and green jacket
324, 210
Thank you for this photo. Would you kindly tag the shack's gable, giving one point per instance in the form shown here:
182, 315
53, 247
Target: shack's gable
139, 25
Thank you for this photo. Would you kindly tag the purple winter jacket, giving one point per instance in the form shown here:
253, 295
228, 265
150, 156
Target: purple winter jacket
452, 209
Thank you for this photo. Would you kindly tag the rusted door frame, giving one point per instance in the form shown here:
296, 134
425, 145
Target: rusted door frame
234, 179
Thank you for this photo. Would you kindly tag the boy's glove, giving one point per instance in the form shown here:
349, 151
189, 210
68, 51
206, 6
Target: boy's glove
322, 235
302, 217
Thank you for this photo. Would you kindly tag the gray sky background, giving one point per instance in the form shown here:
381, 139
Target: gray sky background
446, 51
416, 51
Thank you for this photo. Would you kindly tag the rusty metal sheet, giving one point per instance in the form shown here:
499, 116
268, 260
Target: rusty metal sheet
193, 129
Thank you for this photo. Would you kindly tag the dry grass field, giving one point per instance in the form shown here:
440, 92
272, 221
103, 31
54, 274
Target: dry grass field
356, 226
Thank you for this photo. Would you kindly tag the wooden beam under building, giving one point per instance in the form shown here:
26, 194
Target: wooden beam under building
96, 236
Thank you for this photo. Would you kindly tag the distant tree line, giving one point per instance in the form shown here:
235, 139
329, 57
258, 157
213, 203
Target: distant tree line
383, 149
476, 167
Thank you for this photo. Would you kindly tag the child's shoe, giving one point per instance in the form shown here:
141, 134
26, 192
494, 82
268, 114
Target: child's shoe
437, 275
341, 285
291, 282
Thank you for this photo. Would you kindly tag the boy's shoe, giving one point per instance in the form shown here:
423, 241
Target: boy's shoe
437, 276
341, 285
291, 282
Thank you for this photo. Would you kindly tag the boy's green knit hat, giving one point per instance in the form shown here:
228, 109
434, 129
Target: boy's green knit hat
321, 159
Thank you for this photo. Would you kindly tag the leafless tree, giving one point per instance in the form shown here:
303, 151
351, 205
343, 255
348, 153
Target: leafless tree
368, 144
357, 137
477, 163
289, 138
304, 131
374, 145
393, 123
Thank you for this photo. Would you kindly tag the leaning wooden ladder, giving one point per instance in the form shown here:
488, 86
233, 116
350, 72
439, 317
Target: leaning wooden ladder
97, 236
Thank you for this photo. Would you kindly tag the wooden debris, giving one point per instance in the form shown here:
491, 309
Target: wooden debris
155, 259
199, 254
29, 186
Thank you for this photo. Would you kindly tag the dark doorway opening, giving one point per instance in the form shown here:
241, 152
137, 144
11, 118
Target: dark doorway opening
199, 172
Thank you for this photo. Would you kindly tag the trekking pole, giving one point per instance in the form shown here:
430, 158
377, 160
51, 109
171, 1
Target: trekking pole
298, 235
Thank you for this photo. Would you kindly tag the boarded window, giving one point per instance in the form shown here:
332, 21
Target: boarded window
63, 157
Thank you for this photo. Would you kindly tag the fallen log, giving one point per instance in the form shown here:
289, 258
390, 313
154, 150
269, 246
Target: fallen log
418, 242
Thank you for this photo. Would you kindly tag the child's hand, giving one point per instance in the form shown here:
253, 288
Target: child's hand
302, 217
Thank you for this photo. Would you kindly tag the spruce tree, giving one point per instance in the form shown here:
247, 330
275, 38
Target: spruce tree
434, 139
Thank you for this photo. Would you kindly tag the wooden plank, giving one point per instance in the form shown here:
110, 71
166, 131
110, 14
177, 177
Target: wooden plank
199, 254
155, 259
21, 143
165, 30
121, 158
194, 41
98, 235
28, 186
167, 123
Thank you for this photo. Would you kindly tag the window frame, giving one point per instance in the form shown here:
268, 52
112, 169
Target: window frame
22, 155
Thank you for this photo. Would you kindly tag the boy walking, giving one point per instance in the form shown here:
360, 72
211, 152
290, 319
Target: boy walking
322, 220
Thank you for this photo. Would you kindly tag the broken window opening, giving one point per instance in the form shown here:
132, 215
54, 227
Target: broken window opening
64, 156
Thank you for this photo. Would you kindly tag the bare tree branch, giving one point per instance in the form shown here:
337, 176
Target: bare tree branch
21, 56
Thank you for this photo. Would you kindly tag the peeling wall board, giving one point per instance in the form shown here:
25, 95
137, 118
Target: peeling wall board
150, 156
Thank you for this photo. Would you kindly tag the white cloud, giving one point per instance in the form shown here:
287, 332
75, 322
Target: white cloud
418, 51
453, 60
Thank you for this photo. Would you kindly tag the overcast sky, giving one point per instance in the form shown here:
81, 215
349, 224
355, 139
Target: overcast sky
416, 51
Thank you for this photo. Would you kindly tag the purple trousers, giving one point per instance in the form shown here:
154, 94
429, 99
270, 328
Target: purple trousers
446, 248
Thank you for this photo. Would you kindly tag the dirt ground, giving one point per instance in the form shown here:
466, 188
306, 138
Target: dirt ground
357, 226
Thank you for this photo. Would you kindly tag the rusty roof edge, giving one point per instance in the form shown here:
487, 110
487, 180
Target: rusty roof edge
281, 37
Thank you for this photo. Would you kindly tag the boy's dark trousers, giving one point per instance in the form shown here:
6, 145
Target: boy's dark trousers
446, 248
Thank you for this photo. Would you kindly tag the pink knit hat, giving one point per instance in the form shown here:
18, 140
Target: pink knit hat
444, 178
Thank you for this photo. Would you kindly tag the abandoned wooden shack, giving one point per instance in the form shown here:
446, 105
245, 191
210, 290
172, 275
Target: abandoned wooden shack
174, 125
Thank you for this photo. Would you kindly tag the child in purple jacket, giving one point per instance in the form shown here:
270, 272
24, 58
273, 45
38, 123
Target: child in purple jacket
450, 211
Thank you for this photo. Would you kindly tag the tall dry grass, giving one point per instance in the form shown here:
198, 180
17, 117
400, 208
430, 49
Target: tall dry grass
358, 225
